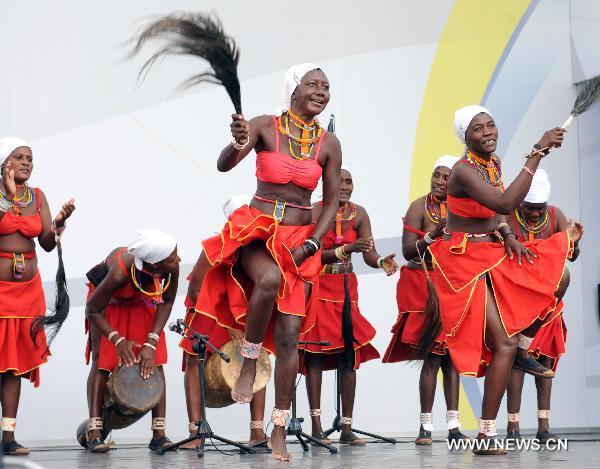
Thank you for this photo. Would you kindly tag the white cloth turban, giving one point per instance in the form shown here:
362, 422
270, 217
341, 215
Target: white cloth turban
539, 192
151, 246
291, 80
10, 144
447, 161
235, 202
464, 116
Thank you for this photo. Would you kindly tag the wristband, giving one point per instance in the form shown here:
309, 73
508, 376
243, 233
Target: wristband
380, 262
146, 344
119, 340
428, 239
153, 335
111, 335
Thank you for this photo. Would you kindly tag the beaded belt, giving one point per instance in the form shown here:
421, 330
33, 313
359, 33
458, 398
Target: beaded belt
280, 205
337, 268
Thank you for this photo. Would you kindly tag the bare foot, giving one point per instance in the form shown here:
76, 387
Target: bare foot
278, 446
575, 230
257, 435
242, 391
193, 444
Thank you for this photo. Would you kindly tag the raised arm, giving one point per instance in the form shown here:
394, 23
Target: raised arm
47, 238
242, 131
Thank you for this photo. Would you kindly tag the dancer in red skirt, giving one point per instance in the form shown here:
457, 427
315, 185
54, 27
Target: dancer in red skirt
24, 215
131, 295
493, 296
267, 256
218, 336
535, 219
350, 343
424, 222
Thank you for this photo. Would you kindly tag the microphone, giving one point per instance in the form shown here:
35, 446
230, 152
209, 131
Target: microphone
176, 327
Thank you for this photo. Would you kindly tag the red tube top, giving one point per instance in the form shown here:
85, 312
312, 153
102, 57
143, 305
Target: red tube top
468, 207
29, 226
278, 168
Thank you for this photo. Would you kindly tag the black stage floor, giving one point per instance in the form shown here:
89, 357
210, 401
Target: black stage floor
583, 452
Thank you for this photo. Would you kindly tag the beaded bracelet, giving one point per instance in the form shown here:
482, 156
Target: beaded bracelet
527, 170
380, 262
111, 335
119, 340
153, 335
239, 146
428, 239
146, 344
5, 205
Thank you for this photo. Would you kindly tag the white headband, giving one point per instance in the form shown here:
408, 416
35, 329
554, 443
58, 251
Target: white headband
235, 202
10, 144
539, 192
447, 161
151, 246
292, 79
464, 116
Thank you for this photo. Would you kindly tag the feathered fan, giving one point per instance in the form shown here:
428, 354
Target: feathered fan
199, 35
588, 92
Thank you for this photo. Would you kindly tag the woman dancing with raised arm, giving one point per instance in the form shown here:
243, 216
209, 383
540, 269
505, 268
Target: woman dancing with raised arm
493, 297
267, 256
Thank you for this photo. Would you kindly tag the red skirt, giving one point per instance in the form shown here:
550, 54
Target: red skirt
20, 303
134, 320
550, 341
328, 326
226, 289
411, 296
523, 293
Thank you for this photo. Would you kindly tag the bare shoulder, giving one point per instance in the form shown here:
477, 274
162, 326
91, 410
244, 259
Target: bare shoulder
262, 121
417, 206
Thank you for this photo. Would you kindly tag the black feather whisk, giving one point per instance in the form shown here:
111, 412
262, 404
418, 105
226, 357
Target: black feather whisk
199, 35
587, 92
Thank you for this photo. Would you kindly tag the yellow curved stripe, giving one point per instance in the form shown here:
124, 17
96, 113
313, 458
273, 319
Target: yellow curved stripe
472, 43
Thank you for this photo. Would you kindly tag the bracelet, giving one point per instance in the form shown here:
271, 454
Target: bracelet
146, 344
537, 150
509, 233
153, 335
119, 340
239, 146
527, 170
380, 262
111, 335
311, 245
340, 253
502, 225
428, 239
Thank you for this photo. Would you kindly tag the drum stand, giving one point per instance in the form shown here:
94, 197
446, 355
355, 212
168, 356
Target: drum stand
295, 425
204, 431
337, 426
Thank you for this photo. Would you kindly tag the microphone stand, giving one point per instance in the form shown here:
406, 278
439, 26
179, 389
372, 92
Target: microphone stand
204, 431
295, 424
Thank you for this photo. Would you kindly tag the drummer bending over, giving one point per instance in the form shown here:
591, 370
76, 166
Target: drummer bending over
131, 294
218, 336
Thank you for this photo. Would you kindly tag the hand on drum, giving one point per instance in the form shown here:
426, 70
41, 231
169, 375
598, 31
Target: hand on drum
147, 360
237, 336
125, 353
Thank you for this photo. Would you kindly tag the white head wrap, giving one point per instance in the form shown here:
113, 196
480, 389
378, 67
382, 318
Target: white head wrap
464, 116
347, 168
447, 161
539, 192
10, 144
291, 80
235, 202
151, 246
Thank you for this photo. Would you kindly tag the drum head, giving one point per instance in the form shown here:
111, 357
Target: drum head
220, 376
133, 394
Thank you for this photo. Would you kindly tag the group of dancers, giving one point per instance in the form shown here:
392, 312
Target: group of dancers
480, 294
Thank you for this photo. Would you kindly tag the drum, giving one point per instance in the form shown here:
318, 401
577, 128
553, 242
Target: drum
127, 399
220, 377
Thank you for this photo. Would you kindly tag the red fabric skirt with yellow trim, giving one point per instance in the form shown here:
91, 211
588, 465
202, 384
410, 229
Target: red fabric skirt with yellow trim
411, 296
20, 304
132, 319
523, 293
328, 326
551, 340
201, 324
226, 288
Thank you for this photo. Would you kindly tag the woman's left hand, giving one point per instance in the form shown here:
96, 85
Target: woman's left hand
514, 247
389, 265
299, 255
147, 360
65, 212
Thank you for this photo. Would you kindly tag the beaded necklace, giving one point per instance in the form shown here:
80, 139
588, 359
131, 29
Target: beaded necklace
17, 202
156, 295
435, 209
490, 171
339, 218
308, 138
528, 228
